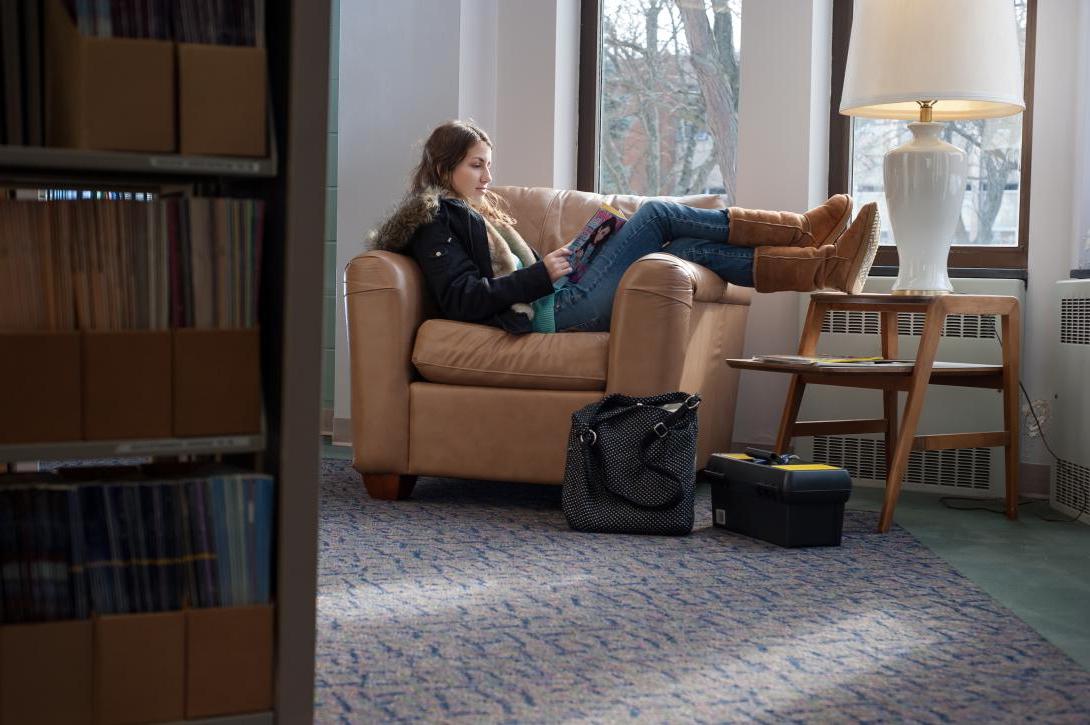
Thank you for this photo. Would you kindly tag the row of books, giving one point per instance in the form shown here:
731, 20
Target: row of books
112, 264
219, 22
72, 548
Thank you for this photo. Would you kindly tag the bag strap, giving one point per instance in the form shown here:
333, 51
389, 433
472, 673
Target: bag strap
662, 429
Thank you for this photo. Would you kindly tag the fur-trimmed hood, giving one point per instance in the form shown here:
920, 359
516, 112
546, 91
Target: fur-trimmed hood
506, 249
395, 233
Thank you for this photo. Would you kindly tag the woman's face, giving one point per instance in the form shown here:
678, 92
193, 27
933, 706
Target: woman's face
472, 175
602, 232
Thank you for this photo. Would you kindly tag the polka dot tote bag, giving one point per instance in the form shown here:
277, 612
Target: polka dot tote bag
631, 465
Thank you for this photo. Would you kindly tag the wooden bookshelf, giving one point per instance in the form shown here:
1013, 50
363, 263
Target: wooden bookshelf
150, 447
44, 158
292, 182
261, 718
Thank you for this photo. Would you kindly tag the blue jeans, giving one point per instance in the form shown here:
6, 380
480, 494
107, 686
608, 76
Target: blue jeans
696, 235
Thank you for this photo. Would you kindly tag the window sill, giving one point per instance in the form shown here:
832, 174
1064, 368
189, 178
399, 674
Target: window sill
962, 272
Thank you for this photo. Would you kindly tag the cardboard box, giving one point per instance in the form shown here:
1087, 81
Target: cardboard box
217, 382
139, 668
40, 387
45, 673
229, 660
114, 94
222, 100
127, 384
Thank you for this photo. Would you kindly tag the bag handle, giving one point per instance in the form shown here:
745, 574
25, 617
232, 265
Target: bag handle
662, 429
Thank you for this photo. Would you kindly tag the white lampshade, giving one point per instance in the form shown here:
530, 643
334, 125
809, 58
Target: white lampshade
961, 53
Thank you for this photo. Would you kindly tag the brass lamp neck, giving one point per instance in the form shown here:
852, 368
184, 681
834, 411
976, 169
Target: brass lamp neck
925, 110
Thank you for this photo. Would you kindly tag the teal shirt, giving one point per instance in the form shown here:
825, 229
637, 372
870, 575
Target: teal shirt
544, 320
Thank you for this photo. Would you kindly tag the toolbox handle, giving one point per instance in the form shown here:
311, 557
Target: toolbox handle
771, 457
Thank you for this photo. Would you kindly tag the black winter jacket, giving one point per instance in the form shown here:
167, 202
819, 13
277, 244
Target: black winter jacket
450, 243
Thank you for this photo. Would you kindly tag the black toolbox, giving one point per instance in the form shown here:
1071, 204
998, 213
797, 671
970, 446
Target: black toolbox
778, 500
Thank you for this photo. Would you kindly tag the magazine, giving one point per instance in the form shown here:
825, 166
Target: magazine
823, 360
590, 240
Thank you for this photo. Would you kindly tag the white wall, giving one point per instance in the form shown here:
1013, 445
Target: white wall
406, 66
537, 92
1051, 234
783, 150
477, 64
513, 67
1080, 253
397, 64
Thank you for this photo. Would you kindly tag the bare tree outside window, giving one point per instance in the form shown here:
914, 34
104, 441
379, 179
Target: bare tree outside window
990, 210
669, 96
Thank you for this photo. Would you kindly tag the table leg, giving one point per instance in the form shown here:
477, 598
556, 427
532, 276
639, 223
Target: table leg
811, 330
921, 374
790, 414
1011, 330
889, 410
889, 397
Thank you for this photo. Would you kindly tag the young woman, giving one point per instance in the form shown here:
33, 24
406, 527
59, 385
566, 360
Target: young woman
480, 270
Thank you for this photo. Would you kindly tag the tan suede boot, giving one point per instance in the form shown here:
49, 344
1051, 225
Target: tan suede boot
816, 228
841, 266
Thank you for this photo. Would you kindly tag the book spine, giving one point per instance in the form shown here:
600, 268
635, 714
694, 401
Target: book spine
77, 557
219, 501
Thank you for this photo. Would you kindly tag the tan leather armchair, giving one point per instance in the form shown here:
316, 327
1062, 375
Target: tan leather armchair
434, 397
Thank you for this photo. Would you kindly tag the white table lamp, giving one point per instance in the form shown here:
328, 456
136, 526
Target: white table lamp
926, 61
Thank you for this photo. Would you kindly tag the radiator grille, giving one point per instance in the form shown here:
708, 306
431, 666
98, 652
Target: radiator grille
1075, 320
851, 322
847, 322
1072, 485
956, 468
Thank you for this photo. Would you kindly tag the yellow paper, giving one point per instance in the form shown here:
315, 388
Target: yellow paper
738, 456
807, 467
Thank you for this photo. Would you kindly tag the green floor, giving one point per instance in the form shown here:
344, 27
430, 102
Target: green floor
1039, 570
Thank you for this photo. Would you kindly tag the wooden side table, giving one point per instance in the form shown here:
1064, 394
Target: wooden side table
900, 437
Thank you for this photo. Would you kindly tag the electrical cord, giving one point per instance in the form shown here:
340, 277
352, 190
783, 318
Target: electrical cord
946, 500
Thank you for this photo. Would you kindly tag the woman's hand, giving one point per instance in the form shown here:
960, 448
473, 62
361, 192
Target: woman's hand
557, 263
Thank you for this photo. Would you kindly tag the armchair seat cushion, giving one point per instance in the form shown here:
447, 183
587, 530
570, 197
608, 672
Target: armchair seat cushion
461, 353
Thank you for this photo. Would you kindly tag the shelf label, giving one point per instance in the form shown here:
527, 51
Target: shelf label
170, 445
182, 163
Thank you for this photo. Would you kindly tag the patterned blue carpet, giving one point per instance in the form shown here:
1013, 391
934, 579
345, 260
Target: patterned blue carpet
473, 602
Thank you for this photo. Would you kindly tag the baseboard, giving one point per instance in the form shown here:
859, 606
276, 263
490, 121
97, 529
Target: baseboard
1034, 479
342, 432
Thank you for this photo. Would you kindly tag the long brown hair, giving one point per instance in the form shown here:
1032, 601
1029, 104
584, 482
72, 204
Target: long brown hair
445, 148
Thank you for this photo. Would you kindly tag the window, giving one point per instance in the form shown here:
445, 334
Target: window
992, 229
659, 96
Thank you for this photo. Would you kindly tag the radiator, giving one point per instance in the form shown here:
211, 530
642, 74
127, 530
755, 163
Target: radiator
1070, 485
965, 338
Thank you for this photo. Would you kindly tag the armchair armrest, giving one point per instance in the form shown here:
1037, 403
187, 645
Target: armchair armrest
385, 304
650, 329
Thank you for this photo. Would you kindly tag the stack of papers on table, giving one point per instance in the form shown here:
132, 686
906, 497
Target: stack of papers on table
825, 360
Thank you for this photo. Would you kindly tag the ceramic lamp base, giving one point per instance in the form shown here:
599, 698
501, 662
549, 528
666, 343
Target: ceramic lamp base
925, 184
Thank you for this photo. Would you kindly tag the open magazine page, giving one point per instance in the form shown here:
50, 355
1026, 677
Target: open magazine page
822, 360
590, 240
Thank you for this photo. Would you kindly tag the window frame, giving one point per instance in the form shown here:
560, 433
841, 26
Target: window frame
996, 261
590, 78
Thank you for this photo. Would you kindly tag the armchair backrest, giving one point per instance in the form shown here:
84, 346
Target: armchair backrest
549, 218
